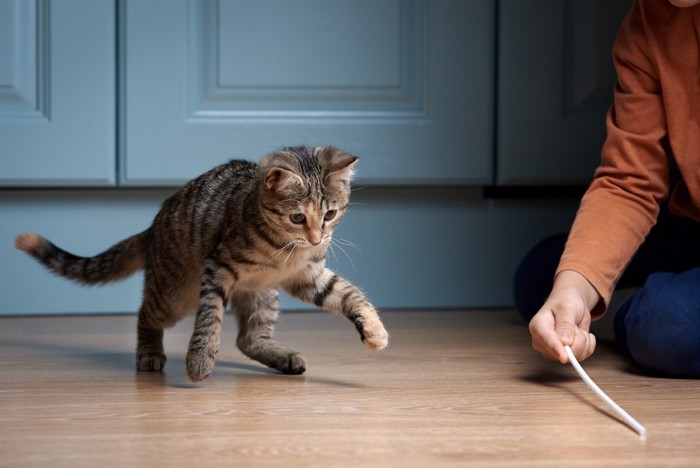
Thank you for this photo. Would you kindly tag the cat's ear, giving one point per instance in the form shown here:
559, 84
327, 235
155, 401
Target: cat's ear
278, 172
282, 180
338, 165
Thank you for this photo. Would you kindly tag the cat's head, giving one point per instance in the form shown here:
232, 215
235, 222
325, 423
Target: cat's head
304, 192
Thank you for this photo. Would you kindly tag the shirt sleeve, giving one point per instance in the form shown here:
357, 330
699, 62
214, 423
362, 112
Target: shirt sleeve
622, 203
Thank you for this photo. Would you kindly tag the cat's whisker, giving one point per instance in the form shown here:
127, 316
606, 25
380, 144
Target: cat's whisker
335, 257
276, 253
347, 243
284, 265
346, 254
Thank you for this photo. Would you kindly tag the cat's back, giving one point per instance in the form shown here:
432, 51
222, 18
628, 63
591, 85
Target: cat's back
235, 175
235, 178
195, 214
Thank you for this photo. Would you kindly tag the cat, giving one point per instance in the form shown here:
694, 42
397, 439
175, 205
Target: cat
234, 235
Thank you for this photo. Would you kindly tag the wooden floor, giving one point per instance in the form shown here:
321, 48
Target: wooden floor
453, 389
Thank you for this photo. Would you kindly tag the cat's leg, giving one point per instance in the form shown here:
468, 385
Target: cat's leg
149, 348
257, 314
167, 297
206, 337
329, 291
149, 330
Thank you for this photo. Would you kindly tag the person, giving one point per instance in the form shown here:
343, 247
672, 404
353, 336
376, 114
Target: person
649, 172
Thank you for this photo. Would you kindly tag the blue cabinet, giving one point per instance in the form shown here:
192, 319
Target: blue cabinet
556, 78
407, 85
57, 93
134, 95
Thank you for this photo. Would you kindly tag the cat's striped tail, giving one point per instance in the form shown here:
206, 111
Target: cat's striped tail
119, 261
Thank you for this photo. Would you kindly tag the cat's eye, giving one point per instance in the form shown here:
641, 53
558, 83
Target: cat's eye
330, 214
298, 218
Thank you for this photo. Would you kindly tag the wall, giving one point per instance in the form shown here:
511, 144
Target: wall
415, 247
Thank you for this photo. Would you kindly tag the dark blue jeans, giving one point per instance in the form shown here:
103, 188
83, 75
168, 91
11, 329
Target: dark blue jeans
659, 327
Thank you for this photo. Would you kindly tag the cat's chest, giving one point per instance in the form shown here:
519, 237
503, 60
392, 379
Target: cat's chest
258, 278
267, 275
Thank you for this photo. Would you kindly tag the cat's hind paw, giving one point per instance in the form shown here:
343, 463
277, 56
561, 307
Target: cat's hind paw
295, 364
199, 365
150, 362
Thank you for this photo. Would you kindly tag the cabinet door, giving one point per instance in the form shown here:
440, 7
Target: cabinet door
57, 92
405, 84
555, 85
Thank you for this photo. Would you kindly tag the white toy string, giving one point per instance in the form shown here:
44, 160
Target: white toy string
596, 389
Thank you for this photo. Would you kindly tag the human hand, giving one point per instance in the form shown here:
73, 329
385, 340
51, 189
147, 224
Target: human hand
565, 319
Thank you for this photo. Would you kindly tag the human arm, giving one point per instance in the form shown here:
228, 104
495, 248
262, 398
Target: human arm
622, 203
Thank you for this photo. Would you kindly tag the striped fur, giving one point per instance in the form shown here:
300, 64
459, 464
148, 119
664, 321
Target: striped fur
234, 236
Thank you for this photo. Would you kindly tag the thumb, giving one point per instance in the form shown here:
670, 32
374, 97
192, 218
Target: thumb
565, 331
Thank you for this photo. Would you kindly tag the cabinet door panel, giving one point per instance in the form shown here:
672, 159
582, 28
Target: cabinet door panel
405, 84
57, 92
555, 85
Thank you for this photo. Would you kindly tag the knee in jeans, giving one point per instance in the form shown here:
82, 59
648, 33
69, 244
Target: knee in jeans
662, 327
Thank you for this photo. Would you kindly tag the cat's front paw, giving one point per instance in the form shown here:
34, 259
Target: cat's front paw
373, 333
199, 364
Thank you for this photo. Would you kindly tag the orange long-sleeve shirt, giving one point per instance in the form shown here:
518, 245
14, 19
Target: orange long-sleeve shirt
655, 114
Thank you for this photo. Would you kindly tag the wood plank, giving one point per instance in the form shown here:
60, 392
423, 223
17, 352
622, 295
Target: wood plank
453, 388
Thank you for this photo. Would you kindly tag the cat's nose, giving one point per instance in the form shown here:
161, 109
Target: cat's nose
315, 236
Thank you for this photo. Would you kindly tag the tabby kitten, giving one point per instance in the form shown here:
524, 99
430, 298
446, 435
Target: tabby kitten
235, 234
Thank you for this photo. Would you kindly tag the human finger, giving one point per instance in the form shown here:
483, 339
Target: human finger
584, 344
545, 340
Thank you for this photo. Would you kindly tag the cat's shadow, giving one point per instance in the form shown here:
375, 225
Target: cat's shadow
260, 370
241, 371
173, 375
248, 367
91, 356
